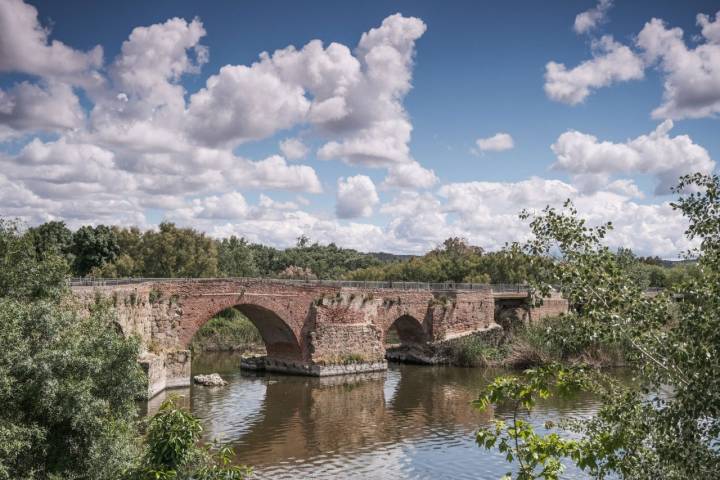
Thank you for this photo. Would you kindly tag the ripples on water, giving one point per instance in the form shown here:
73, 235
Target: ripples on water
411, 422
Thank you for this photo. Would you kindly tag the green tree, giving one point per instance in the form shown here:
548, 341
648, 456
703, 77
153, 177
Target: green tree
67, 380
235, 258
668, 428
537, 456
324, 261
24, 275
52, 237
93, 247
178, 252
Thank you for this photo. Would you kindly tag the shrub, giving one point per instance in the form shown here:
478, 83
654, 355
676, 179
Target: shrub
67, 381
154, 296
172, 450
470, 351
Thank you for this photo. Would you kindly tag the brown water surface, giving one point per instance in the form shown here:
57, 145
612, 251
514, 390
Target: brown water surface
411, 422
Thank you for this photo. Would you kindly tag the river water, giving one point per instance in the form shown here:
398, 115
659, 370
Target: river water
411, 422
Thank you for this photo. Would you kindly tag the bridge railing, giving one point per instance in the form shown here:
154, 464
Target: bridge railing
366, 285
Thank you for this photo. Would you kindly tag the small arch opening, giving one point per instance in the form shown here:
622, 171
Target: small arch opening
228, 331
405, 330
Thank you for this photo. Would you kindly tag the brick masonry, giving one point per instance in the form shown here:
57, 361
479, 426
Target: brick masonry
316, 330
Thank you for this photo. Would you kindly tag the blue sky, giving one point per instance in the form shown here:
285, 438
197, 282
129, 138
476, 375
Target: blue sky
459, 72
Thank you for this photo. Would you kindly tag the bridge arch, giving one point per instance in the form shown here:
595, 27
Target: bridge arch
277, 335
409, 330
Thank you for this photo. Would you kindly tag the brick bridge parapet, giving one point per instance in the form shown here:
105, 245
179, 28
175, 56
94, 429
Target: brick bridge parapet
315, 328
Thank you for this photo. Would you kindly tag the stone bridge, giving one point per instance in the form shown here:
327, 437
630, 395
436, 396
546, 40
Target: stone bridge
314, 328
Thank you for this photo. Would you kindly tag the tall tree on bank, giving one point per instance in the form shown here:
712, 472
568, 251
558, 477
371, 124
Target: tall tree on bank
669, 427
235, 258
53, 237
68, 380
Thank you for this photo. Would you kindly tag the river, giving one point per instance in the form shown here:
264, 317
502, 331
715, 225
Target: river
411, 422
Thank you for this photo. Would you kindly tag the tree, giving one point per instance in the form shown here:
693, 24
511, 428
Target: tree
68, 380
178, 252
235, 258
93, 247
668, 428
23, 274
52, 237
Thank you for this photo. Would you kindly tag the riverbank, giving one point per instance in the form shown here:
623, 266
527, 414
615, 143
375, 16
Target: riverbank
552, 340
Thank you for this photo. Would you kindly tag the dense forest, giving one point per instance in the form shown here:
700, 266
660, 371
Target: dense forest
170, 251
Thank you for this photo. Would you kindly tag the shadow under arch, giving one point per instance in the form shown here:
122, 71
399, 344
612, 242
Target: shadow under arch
279, 339
409, 330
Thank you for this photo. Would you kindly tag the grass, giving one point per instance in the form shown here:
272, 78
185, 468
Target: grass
228, 331
560, 339
554, 339
473, 351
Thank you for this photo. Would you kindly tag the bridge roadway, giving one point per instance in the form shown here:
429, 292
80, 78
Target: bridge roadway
309, 327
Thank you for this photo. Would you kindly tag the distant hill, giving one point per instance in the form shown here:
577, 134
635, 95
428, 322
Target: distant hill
390, 257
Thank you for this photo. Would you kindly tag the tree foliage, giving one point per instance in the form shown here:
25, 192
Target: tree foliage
170, 251
457, 261
172, 450
93, 247
67, 380
537, 456
669, 427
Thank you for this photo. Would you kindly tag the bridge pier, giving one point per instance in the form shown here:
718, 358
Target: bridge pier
318, 329
313, 370
167, 370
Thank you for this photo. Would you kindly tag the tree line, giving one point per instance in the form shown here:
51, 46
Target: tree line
68, 379
173, 252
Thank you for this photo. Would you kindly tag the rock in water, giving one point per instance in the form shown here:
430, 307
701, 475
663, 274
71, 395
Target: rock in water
211, 380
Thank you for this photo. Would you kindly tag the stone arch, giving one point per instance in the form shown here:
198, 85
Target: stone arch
409, 330
279, 339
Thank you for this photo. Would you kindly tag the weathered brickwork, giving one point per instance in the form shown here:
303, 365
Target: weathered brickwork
317, 330
551, 307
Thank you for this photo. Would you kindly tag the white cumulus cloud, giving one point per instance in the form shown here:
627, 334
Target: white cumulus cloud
612, 62
691, 75
657, 154
26, 48
590, 19
497, 143
356, 197
293, 148
410, 176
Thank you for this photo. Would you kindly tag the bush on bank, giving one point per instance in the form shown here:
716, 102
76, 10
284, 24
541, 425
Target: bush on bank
668, 428
68, 381
173, 451
68, 384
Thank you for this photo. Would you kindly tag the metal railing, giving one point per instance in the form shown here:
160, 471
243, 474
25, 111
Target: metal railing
366, 285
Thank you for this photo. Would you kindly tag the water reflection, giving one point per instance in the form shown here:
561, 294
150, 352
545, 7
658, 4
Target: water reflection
410, 422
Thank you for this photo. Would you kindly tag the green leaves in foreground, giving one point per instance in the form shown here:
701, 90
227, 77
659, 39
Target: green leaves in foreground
173, 450
668, 427
537, 456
